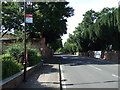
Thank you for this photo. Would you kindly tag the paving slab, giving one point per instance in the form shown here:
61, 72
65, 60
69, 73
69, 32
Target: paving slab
46, 77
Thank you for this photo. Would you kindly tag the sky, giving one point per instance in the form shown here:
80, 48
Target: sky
80, 7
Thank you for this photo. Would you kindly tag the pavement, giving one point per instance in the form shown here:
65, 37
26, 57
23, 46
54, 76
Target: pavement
46, 77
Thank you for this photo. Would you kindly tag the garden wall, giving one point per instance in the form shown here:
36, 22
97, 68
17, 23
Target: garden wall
113, 56
40, 44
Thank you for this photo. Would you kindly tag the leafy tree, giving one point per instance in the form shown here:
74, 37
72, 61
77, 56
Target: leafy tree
71, 45
12, 16
97, 31
49, 19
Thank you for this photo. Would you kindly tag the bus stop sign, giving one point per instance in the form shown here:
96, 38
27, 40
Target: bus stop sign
29, 18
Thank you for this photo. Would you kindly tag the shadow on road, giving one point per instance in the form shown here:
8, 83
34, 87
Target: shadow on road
78, 60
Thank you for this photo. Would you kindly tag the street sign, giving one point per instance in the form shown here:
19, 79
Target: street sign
29, 18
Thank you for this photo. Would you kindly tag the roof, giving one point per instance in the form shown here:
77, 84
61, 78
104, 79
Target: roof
8, 37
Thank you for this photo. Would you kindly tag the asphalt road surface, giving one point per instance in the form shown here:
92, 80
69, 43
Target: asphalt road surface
84, 72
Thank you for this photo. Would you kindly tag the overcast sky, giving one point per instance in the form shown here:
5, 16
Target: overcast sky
80, 7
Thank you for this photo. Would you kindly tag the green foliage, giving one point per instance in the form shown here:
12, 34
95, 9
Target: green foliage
70, 48
16, 50
9, 66
97, 31
49, 19
6, 57
12, 16
59, 50
34, 56
57, 44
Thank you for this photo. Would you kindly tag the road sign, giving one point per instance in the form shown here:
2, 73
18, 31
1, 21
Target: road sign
29, 18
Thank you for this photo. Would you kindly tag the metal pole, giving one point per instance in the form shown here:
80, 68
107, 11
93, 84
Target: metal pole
119, 16
119, 4
1, 42
24, 42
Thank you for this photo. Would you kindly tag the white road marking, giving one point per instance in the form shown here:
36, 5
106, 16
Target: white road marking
62, 77
101, 70
115, 75
96, 68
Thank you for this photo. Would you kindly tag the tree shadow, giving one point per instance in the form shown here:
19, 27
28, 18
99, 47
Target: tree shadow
34, 81
78, 60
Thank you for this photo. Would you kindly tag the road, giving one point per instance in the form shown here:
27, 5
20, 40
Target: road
84, 72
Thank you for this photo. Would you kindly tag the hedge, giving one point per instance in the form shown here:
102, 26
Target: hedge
9, 65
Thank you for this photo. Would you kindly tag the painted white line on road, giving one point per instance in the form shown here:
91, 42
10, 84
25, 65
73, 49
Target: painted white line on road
115, 75
96, 68
62, 77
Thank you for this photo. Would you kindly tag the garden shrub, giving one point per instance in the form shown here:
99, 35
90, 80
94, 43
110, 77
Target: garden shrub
9, 65
34, 56
16, 50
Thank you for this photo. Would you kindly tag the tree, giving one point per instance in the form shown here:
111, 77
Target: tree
12, 16
97, 31
52, 23
49, 19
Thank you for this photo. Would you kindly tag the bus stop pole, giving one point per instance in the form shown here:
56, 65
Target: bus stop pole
24, 41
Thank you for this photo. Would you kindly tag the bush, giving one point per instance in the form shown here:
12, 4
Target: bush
34, 56
9, 66
14, 52
17, 51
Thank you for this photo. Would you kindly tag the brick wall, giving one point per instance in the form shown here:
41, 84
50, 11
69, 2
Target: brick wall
113, 56
41, 46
